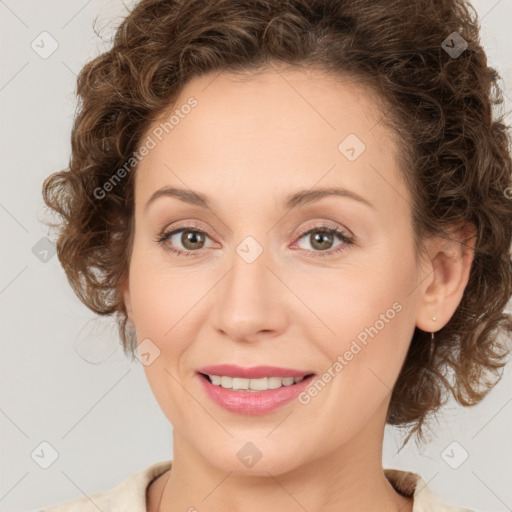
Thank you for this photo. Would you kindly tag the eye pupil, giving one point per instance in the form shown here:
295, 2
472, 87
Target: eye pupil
318, 240
191, 237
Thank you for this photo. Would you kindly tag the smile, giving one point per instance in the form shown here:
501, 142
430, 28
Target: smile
241, 384
252, 391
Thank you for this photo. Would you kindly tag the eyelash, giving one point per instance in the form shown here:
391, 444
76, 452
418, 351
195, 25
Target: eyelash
346, 239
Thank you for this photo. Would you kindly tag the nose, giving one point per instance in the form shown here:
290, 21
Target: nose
251, 301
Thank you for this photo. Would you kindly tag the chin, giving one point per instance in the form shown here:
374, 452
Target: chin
255, 456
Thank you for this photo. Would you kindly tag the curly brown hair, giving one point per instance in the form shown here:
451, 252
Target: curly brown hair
454, 155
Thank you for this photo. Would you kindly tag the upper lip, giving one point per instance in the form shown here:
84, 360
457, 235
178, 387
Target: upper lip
255, 372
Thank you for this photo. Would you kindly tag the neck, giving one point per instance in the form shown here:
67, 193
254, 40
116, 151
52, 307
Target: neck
350, 478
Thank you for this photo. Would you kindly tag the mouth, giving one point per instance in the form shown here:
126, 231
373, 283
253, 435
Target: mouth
253, 385
252, 391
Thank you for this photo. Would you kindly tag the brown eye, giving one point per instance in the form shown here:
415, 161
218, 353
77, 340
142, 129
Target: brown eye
321, 240
192, 239
183, 241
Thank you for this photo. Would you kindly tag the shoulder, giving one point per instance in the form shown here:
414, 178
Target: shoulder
411, 484
130, 494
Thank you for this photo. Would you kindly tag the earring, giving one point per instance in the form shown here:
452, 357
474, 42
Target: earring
432, 334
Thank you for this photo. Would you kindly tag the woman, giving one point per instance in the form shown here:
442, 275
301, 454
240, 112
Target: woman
300, 213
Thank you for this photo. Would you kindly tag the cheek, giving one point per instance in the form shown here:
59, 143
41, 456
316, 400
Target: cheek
367, 318
160, 315
349, 300
162, 306
158, 296
165, 390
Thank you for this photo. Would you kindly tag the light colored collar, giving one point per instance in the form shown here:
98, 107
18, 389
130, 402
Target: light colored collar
411, 484
130, 494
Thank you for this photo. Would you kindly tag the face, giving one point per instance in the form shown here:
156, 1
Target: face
267, 276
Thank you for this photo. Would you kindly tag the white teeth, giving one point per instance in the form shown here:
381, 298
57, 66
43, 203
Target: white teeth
257, 384
226, 382
240, 384
274, 382
216, 379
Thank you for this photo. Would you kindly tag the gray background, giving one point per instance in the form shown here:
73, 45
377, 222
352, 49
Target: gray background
64, 378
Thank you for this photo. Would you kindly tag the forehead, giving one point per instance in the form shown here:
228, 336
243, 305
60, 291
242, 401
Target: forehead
278, 129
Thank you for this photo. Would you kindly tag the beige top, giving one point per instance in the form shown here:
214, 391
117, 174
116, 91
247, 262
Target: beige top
130, 494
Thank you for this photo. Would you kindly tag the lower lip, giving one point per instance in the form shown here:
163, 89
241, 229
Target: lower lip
253, 403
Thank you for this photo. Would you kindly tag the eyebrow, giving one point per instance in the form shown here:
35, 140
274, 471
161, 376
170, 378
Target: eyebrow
292, 201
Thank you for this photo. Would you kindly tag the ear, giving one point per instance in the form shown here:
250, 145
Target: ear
125, 290
445, 277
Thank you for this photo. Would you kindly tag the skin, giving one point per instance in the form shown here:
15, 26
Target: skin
247, 145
